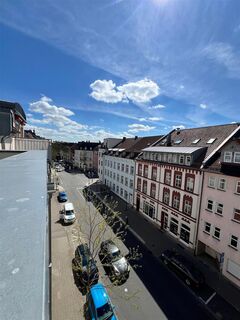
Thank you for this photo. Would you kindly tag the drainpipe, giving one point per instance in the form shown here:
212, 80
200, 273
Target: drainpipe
199, 212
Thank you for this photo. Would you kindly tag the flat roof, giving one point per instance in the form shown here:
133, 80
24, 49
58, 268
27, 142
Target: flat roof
23, 229
187, 150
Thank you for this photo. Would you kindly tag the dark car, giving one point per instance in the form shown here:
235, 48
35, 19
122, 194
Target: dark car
191, 275
112, 258
85, 266
62, 197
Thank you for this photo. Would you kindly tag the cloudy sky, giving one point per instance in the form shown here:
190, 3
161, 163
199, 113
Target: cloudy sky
91, 69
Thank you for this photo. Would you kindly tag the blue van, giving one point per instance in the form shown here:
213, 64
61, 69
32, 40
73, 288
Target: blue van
99, 306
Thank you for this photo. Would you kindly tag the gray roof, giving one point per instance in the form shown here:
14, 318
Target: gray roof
23, 230
186, 150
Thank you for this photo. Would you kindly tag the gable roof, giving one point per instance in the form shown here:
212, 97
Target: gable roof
142, 143
186, 137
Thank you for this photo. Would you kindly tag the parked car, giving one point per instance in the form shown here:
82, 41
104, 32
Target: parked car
67, 214
62, 196
111, 257
86, 268
191, 275
99, 305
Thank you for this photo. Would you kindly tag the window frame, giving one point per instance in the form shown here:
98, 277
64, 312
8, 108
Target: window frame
212, 179
209, 200
236, 154
144, 187
238, 214
231, 239
219, 183
237, 190
228, 154
177, 174
153, 190
167, 172
207, 224
214, 233
154, 173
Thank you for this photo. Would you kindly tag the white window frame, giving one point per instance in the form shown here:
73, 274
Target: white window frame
210, 180
237, 187
219, 184
236, 154
217, 206
207, 224
236, 209
181, 159
214, 233
188, 160
236, 239
211, 210
227, 156
190, 182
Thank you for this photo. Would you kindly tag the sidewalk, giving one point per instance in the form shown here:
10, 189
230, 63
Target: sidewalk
157, 241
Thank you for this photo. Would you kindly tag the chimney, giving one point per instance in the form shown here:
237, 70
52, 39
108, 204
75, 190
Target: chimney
168, 141
135, 137
178, 130
123, 139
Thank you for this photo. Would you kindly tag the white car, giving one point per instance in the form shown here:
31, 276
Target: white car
67, 215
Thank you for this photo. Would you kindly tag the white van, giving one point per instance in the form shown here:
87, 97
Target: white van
67, 215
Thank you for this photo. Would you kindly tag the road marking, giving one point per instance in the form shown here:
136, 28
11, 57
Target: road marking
210, 298
136, 235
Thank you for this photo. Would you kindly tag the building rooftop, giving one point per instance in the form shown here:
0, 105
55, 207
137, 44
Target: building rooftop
186, 150
23, 229
14, 106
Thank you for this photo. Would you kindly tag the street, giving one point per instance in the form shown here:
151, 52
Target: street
151, 292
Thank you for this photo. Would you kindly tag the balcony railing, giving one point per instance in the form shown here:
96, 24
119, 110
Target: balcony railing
21, 144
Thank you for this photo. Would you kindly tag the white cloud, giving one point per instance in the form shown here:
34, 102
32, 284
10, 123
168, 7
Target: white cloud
224, 54
203, 106
181, 86
105, 90
139, 127
180, 126
141, 91
154, 118
43, 106
158, 106
142, 119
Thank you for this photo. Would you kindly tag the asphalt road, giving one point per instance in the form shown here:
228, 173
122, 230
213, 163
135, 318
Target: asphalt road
152, 291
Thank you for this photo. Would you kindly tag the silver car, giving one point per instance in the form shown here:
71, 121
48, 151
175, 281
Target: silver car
114, 261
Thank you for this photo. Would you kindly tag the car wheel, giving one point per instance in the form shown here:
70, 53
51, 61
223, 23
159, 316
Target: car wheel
188, 282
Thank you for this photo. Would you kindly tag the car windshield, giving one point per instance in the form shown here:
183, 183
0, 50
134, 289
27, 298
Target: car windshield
69, 212
105, 312
63, 194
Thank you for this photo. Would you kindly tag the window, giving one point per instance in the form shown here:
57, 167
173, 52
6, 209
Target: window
166, 196
234, 241
217, 232
188, 160
125, 195
117, 189
210, 141
211, 182
156, 156
237, 157
140, 170
238, 187
108, 163
210, 205
114, 175
153, 190
132, 170
175, 158
131, 183
178, 179
127, 168
114, 187
168, 176
149, 209
176, 200
122, 179
181, 159
117, 177
236, 214
207, 227
145, 171
222, 184
189, 183
121, 191
196, 141
118, 166
114, 165
126, 181
219, 208
139, 183
187, 205
110, 174
227, 156
174, 226
164, 157
185, 233
144, 189
122, 167
178, 141
170, 158
111, 164
154, 173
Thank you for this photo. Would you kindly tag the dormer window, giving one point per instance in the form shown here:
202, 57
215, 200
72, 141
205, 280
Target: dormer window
237, 157
210, 141
178, 141
181, 159
227, 156
188, 160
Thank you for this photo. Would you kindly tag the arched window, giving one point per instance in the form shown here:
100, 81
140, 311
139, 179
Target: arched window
187, 205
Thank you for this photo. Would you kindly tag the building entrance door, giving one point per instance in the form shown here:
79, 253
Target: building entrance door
138, 203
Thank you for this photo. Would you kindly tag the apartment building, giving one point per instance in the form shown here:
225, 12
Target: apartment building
169, 179
219, 225
119, 165
86, 155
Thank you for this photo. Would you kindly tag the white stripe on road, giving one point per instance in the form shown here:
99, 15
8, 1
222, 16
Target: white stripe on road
136, 235
210, 298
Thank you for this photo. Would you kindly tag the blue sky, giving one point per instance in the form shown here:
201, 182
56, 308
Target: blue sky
92, 69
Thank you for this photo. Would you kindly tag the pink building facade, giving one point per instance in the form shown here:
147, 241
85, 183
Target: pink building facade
219, 223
